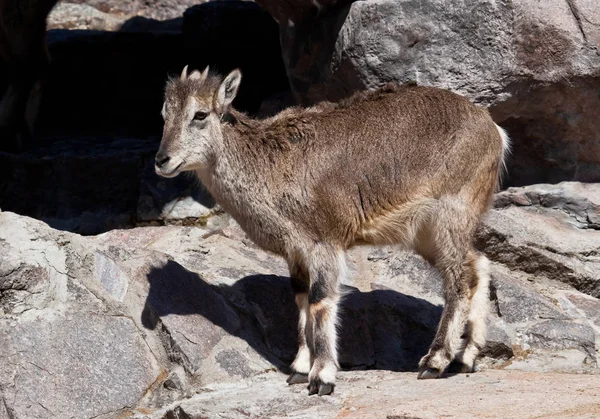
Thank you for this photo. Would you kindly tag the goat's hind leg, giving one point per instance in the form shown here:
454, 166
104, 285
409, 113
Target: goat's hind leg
452, 256
300, 284
475, 334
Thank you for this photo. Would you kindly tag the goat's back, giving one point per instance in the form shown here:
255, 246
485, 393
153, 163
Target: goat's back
387, 157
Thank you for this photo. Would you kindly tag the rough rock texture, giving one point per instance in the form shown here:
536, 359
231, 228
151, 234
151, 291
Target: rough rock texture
154, 9
536, 64
382, 394
133, 322
550, 230
81, 16
67, 348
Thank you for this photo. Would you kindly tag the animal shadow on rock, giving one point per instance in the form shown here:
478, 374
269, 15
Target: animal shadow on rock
380, 329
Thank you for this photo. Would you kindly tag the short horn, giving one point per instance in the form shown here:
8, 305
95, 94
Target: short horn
184, 73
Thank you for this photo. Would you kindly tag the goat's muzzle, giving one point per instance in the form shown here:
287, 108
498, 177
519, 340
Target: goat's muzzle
164, 165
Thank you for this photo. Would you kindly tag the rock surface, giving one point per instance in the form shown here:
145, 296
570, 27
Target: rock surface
134, 322
382, 394
537, 65
111, 14
82, 16
550, 230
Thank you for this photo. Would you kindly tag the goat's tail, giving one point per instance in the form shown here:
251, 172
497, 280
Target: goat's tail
506, 149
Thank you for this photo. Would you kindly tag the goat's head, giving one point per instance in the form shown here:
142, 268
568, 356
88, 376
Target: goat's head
194, 107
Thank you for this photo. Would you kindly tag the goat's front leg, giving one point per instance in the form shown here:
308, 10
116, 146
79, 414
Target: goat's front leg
300, 284
326, 265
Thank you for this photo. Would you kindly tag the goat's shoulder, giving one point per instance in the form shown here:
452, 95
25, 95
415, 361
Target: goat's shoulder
292, 125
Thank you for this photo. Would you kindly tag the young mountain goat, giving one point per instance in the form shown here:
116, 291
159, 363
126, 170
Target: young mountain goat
415, 166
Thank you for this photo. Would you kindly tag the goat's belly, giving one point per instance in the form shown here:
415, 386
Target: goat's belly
400, 225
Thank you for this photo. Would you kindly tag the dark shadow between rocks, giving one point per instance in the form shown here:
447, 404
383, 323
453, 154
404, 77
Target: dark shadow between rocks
553, 130
308, 52
380, 329
99, 124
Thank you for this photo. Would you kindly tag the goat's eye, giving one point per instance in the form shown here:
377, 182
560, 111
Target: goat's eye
199, 116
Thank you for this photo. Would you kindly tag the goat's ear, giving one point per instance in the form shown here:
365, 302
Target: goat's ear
228, 88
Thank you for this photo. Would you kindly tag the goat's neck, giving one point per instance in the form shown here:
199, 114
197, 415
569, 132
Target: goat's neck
235, 169
242, 180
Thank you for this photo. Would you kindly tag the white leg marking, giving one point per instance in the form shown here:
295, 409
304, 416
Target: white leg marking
480, 307
302, 361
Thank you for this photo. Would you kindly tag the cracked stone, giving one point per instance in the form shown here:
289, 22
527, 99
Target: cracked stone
519, 302
532, 231
81, 366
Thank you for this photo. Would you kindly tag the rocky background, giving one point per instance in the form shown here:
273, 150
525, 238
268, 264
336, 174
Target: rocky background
126, 295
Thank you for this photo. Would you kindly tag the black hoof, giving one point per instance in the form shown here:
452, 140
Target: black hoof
320, 388
326, 389
297, 378
457, 367
429, 373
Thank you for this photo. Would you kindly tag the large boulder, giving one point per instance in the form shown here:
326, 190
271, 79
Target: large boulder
535, 64
68, 349
130, 321
549, 230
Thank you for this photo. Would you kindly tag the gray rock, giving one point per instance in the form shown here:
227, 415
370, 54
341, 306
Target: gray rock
535, 65
580, 201
155, 9
66, 350
81, 16
518, 302
556, 238
73, 365
588, 307
384, 394
108, 273
560, 334
498, 345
